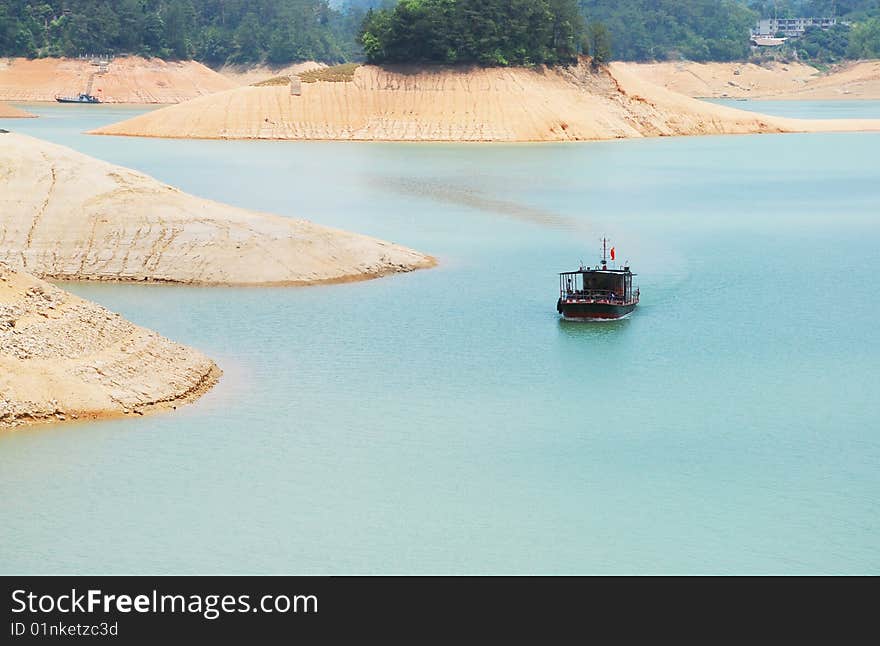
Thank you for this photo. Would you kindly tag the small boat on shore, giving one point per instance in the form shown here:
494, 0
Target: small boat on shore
597, 293
80, 98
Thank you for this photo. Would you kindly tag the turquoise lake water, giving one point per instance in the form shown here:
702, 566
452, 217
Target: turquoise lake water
446, 421
847, 109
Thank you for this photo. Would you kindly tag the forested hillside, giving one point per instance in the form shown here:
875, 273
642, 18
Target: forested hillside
490, 32
213, 31
698, 30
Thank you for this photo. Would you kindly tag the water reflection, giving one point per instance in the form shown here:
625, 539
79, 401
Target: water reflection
473, 198
593, 329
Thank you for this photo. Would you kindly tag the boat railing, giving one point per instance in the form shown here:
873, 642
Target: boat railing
599, 295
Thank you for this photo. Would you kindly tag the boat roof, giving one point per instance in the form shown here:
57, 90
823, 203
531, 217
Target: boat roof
591, 270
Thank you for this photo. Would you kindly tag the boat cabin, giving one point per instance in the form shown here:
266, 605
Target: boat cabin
598, 284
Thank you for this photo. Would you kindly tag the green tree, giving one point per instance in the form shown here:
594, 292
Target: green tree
154, 34
248, 37
864, 40
600, 43
132, 20
213, 45
488, 32
179, 18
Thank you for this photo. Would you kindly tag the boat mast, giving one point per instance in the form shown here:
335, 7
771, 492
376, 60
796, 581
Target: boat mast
604, 246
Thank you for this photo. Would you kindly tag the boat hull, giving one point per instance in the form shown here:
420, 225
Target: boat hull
74, 100
593, 311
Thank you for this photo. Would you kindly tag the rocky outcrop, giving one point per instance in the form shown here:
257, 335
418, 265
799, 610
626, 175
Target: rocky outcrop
63, 358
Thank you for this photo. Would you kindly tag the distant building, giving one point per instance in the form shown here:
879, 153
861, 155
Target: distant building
789, 27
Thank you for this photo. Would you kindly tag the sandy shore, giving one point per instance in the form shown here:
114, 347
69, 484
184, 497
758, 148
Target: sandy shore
63, 358
455, 104
64, 215
9, 112
127, 80
789, 81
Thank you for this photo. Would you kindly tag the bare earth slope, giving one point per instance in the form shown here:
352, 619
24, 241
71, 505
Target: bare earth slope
858, 80
8, 112
128, 80
64, 358
68, 216
449, 104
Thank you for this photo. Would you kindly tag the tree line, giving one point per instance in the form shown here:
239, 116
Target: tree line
214, 31
487, 32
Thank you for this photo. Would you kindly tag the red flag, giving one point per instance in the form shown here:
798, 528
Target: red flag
612, 253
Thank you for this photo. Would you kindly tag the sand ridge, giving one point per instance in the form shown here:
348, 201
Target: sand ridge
64, 215
780, 81
63, 358
409, 103
130, 79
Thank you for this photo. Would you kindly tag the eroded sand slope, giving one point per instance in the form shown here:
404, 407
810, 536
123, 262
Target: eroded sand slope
857, 80
449, 104
128, 80
64, 358
68, 216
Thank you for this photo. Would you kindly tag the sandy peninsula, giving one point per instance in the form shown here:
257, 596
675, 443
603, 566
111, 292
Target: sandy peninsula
128, 79
778, 81
64, 358
10, 112
64, 215
455, 104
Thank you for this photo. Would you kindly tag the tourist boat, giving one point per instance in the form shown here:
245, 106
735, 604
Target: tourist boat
80, 98
597, 293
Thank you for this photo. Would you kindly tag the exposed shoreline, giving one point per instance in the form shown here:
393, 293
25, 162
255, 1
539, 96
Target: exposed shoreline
446, 104
71, 416
430, 262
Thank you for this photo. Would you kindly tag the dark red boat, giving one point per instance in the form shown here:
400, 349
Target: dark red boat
597, 293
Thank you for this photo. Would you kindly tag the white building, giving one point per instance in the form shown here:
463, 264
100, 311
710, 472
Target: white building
790, 27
